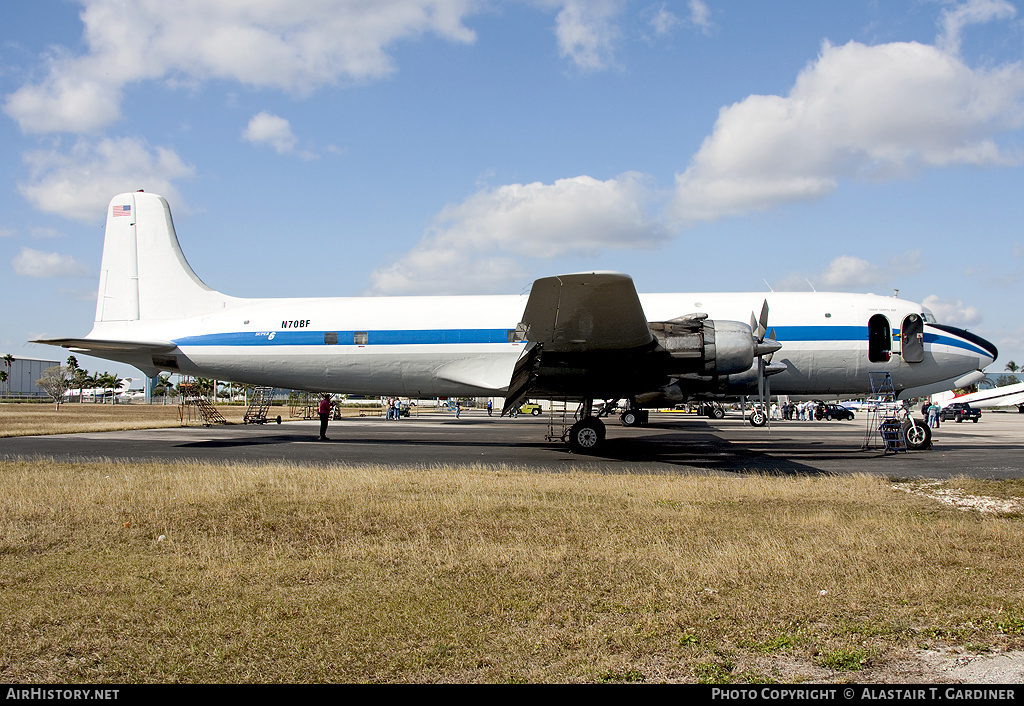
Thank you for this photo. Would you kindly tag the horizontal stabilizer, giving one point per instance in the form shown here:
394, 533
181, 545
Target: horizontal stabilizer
86, 345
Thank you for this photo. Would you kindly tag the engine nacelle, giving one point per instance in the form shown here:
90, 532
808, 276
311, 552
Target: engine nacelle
698, 345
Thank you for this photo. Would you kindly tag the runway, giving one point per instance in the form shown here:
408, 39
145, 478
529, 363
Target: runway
672, 443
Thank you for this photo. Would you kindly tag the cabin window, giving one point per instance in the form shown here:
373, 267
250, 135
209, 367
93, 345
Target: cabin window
912, 339
359, 338
879, 339
330, 338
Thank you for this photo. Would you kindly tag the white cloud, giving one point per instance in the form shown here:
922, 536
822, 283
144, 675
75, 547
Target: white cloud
953, 20
7, 232
35, 263
266, 128
479, 244
296, 47
80, 183
952, 311
700, 16
848, 272
856, 112
586, 33
661, 20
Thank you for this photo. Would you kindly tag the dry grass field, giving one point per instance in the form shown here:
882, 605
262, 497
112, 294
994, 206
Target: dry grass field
23, 419
31, 419
134, 573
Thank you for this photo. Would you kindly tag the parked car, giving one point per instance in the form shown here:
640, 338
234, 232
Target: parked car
958, 412
832, 411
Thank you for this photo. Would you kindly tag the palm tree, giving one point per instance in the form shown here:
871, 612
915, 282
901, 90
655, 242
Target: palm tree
79, 377
1013, 368
3, 377
8, 361
105, 381
89, 381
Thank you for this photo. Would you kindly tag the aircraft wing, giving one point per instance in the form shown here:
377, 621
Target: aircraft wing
590, 311
85, 345
586, 332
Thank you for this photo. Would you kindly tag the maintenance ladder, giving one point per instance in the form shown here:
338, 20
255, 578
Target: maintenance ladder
193, 399
256, 413
883, 423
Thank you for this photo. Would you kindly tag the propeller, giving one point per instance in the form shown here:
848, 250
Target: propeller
764, 350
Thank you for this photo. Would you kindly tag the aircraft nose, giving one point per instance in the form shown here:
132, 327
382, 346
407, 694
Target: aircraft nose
971, 342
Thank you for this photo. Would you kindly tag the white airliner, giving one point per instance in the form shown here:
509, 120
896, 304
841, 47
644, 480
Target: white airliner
1005, 396
92, 393
583, 337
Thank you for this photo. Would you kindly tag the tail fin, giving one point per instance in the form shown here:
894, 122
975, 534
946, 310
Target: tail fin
144, 274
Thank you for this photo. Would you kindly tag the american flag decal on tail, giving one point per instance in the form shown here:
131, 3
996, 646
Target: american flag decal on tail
123, 210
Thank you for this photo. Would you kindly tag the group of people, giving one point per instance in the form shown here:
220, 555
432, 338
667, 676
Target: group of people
393, 408
803, 411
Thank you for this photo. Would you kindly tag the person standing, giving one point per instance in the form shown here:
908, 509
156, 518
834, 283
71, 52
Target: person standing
324, 410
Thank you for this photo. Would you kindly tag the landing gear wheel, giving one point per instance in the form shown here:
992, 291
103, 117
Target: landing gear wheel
629, 418
758, 418
717, 413
586, 435
918, 436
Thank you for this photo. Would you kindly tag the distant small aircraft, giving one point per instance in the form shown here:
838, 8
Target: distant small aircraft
1005, 396
580, 337
91, 394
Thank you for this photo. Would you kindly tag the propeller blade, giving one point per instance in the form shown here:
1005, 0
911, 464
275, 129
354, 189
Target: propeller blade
771, 337
762, 322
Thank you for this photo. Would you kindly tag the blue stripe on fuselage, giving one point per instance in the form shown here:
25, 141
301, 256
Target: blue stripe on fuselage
783, 334
347, 338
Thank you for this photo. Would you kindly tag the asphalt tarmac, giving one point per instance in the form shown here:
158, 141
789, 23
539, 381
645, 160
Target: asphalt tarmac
671, 443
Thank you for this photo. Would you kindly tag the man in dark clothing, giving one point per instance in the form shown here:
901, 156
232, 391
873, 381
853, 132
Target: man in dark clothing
324, 410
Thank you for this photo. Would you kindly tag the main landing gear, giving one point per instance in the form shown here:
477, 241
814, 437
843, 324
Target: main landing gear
587, 435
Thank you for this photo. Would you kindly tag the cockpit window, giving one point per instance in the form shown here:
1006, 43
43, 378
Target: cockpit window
929, 317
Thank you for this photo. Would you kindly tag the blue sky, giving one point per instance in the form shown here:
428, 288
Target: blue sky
346, 147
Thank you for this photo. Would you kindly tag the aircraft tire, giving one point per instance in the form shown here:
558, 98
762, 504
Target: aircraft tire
758, 418
918, 436
717, 413
629, 418
586, 436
